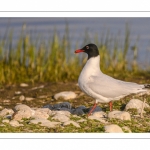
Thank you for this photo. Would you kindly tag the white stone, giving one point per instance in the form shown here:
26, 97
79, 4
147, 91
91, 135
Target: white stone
103, 120
41, 113
40, 87
46, 123
29, 98
15, 123
22, 107
122, 115
82, 120
66, 113
6, 101
17, 92
65, 95
6, 111
61, 118
22, 111
24, 85
137, 104
5, 121
113, 128
99, 114
22, 98
42, 96
72, 122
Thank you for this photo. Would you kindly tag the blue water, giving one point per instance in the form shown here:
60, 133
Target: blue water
78, 27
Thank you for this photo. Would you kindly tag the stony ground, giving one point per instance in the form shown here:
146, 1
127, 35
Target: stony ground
34, 97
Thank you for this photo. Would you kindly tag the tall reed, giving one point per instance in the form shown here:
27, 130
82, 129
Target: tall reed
36, 61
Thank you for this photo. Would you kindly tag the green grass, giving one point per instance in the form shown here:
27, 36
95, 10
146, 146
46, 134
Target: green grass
34, 61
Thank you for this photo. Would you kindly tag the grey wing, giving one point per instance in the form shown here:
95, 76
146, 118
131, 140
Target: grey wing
111, 88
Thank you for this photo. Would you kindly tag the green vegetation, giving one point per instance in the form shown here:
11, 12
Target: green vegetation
34, 61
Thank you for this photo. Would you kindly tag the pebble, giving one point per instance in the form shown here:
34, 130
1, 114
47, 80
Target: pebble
40, 87
42, 113
65, 95
61, 118
24, 85
42, 96
66, 113
122, 115
100, 116
72, 122
22, 98
17, 92
29, 98
136, 103
6, 111
22, 111
6, 101
113, 128
98, 119
5, 121
46, 123
15, 123
82, 120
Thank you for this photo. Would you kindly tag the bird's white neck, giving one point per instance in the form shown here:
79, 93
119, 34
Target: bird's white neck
91, 68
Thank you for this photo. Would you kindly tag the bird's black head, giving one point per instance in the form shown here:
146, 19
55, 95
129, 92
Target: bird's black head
90, 49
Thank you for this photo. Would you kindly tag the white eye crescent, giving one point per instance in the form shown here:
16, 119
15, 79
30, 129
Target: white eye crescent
87, 47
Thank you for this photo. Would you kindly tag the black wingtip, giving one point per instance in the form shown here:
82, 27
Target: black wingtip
147, 86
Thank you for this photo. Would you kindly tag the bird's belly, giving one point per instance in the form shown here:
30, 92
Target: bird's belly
99, 98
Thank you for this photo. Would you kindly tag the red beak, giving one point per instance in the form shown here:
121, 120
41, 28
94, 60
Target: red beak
79, 51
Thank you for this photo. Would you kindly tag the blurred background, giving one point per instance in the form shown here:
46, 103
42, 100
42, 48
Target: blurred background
42, 49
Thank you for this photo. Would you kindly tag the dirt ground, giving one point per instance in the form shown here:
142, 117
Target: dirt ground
40, 94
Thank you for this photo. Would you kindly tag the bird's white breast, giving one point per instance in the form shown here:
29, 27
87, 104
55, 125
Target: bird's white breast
91, 68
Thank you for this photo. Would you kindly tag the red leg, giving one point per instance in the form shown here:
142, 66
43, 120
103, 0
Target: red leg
92, 109
110, 105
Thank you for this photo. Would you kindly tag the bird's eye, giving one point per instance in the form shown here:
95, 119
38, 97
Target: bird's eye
87, 47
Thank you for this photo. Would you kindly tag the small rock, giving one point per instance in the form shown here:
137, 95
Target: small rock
97, 118
65, 95
17, 92
66, 113
6, 101
21, 107
46, 123
42, 113
113, 128
29, 98
42, 96
40, 87
22, 111
82, 120
15, 123
61, 118
5, 121
24, 85
22, 98
6, 111
136, 103
119, 115
100, 114
71, 122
